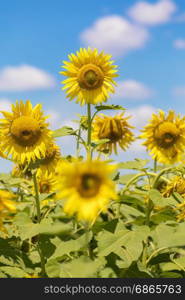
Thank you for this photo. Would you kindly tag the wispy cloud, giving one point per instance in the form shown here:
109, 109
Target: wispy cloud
24, 77
5, 104
140, 115
133, 90
179, 44
115, 34
152, 13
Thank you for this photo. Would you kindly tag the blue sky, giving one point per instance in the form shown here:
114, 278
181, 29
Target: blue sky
146, 38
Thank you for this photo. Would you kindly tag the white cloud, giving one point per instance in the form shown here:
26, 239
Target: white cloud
137, 147
5, 104
179, 91
140, 115
152, 14
24, 77
54, 118
116, 35
179, 44
132, 89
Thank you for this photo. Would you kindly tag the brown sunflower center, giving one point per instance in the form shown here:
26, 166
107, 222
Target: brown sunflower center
89, 185
25, 131
112, 130
90, 77
166, 134
44, 187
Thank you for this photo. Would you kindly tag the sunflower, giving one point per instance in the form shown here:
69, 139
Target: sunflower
6, 201
46, 182
51, 158
90, 76
87, 188
165, 137
116, 129
7, 205
24, 132
176, 184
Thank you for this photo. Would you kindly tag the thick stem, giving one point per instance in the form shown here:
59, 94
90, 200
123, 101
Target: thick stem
155, 165
132, 180
37, 202
160, 174
78, 142
89, 129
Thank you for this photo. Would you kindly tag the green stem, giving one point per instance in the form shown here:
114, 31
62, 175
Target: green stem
155, 253
78, 142
160, 174
148, 212
37, 202
89, 129
155, 165
132, 180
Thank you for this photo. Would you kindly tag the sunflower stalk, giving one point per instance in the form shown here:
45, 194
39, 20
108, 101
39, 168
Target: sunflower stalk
89, 155
155, 165
37, 202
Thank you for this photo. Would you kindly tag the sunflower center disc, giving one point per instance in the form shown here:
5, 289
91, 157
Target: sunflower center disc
25, 131
89, 185
166, 135
44, 188
90, 77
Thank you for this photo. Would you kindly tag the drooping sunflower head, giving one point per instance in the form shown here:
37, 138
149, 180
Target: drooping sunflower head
176, 184
87, 188
25, 133
51, 158
165, 137
89, 76
116, 129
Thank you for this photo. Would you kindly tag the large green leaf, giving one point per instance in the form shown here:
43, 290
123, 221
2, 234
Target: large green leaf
28, 229
136, 164
168, 236
158, 200
13, 271
125, 243
63, 131
77, 268
72, 245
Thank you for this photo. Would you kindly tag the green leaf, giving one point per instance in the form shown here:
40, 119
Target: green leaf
72, 245
169, 236
29, 229
159, 200
137, 164
13, 271
100, 142
170, 275
130, 212
125, 178
63, 132
109, 107
53, 268
81, 267
125, 243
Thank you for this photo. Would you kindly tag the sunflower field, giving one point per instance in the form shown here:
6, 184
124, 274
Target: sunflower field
88, 215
